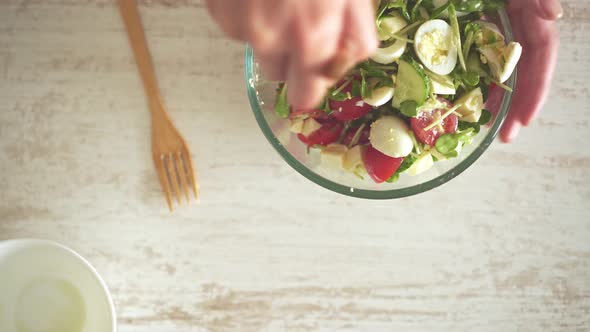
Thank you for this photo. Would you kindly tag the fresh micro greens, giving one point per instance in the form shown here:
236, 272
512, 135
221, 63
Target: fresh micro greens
457, 34
438, 12
415, 94
470, 6
409, 108
406, 164
282, 108
387, 5
471, 32
448, 144
415, 10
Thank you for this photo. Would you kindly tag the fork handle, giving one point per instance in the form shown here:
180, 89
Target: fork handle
132, 19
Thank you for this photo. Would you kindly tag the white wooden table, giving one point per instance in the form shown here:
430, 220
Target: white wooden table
504, 247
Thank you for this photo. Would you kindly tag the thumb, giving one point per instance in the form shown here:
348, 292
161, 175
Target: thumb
546, 9
549, 9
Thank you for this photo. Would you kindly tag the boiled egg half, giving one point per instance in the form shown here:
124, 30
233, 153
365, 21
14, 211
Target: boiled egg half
390, 136
435, 48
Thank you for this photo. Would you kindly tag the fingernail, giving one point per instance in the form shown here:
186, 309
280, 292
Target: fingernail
514, 131
552, 8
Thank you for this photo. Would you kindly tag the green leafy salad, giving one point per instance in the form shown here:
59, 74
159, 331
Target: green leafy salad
421, 96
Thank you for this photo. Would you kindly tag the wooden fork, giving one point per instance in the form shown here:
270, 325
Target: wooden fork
170, 152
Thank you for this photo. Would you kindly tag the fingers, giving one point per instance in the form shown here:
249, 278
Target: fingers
306, 88
360, 33
340, 49
535, 70
274, 67
550, 9
510, 129
265, 23
316, 31
226, 19
358, 40
547, 9
308, 43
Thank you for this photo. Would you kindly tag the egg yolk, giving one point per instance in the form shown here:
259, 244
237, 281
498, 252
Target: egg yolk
435, 47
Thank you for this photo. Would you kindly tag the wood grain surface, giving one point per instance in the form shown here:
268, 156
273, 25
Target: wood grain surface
504, 247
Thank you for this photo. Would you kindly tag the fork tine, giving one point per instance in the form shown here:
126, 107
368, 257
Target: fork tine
173, 176
180, 170
188, 163
164, 183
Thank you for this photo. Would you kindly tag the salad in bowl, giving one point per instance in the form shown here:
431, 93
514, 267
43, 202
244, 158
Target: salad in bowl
421, 110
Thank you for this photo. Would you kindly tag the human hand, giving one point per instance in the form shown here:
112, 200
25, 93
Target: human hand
534, 26
307, 43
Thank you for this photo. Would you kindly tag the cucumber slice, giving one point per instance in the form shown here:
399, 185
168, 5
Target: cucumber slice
412, 83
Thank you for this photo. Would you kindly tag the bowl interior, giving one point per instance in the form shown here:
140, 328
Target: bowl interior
262, 95
48, 287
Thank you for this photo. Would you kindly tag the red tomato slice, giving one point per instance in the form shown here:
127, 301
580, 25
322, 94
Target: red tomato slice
380, 167
363, 138
424, 119
495, 97
327, 134
350, 109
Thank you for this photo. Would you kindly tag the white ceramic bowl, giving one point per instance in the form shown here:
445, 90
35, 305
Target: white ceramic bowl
46, 287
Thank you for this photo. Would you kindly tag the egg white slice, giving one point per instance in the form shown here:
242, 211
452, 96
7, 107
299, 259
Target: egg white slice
379, 96
502, 61
489, 29
435, 48
390, 136
391, 53
512, 54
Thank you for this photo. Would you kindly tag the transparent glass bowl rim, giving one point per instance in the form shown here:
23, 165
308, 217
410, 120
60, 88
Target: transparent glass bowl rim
249, 69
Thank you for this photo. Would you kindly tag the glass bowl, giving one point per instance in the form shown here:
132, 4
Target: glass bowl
262, 95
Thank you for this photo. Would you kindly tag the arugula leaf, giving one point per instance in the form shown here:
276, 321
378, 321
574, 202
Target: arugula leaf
372, 70
448, 144
387, 5
406, 164
463, 125
438, 12
365, 92
457, 34
428, 4
470, 6
338, 93
466, 79
282, 108
486, 117
475, 65
409, 108
393, 178
356, 88
326, 106
471, 79
416, 10
485, 90
338, 96
471, 32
